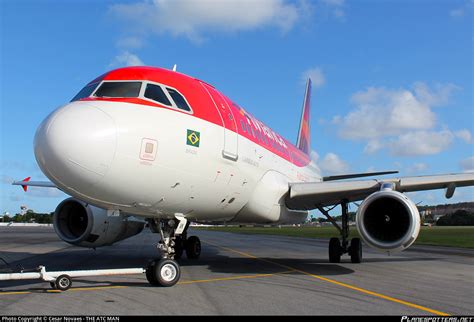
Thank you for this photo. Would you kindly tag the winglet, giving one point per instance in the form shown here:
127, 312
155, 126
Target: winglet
25, 188
303, 142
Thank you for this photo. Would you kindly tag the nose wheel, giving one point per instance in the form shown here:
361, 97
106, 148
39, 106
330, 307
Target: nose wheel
165, 272
338, 247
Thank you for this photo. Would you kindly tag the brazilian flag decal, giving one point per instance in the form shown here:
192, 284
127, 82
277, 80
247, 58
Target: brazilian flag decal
193, 138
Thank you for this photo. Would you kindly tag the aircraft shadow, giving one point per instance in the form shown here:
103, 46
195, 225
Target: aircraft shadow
211, 260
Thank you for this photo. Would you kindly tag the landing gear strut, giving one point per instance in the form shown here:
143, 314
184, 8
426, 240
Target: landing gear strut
338, 247
166, 271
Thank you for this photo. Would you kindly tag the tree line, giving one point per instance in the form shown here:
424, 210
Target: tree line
29, 217
460, 217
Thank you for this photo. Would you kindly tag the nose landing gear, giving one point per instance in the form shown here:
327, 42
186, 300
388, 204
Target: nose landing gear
166, 271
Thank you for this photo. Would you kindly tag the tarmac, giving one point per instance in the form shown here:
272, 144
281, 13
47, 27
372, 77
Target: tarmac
238, 275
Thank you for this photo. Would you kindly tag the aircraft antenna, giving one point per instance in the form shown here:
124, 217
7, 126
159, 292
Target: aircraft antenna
174, 67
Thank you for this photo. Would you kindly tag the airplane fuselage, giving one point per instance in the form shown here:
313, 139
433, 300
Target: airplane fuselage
214, 162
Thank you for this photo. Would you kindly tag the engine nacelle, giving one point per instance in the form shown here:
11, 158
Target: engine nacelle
388, 221
81, 224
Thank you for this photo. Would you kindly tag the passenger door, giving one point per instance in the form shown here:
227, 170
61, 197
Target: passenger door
230, 150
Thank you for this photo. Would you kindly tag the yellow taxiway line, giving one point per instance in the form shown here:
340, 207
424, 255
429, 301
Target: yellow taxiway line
354, 288
15, 293
289, 269
233, 278
95, 288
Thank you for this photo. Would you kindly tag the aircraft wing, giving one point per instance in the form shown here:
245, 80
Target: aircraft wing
25, 183
311, 195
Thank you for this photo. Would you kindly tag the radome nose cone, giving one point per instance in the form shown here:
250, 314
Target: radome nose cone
75, 145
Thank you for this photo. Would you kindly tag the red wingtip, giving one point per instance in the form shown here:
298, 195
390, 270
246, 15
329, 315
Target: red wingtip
25, 188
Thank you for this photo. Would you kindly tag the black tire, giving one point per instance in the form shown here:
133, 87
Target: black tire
193, 247
63, 282
356, 250
150, 273
53, 285
335, 250
167, 272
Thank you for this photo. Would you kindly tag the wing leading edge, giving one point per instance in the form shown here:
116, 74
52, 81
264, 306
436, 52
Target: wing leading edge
311, 195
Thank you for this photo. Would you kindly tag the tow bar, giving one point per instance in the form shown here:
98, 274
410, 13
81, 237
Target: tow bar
61, 280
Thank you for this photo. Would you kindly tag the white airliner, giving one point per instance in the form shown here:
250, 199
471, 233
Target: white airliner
155, 144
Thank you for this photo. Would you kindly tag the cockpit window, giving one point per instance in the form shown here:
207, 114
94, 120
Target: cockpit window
155, 93
179, 100
85, 92
119, 89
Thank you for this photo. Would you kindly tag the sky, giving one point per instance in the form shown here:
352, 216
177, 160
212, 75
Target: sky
392, 80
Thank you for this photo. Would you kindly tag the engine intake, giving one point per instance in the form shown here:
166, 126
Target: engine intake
81, 224
388, 220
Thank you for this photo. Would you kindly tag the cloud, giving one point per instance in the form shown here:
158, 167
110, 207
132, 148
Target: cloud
418, 168
316, 75
126, 59
15, 198
421, 143
16, 166
467, 165
193, 18
437, 97
6, 179
457, 12
334, 2
463, 10
373, 146
422, 197
337, 7
42, 192
382, 112
130, 42
333, 164
464, 135
401, 120
330, 164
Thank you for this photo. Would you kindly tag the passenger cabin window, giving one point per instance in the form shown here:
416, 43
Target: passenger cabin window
85, 92
119, 89
179, 100
155, 93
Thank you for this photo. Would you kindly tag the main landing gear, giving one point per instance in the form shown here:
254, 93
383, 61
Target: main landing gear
338, 247
174, 242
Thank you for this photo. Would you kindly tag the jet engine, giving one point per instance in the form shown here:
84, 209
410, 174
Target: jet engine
84, 225
389, 221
